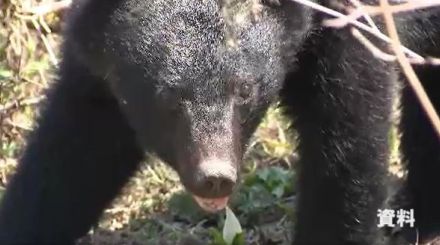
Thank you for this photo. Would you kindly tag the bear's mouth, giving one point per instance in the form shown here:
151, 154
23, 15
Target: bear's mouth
212, 205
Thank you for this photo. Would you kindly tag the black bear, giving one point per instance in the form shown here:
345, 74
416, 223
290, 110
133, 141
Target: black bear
189, 80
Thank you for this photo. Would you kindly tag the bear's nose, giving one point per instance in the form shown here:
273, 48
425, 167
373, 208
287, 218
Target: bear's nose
218, 186
216, 179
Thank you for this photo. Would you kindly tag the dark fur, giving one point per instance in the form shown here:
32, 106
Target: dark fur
158, 76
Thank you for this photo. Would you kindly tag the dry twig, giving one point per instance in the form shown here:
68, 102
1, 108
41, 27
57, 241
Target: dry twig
394, 40
359, 25
407, 68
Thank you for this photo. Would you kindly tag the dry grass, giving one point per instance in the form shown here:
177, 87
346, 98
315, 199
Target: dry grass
25, 70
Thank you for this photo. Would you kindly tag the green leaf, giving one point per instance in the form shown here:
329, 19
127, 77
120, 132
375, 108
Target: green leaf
278, 191
263, 174
232, 227
239, 239
216, 237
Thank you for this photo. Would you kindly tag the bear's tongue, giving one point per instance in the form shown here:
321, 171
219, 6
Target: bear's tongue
212, 204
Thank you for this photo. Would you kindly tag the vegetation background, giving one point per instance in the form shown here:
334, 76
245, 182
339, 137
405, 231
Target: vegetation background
152, 208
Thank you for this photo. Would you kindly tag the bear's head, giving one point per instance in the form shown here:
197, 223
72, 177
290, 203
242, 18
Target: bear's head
194, 78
